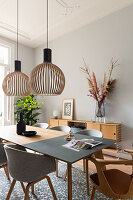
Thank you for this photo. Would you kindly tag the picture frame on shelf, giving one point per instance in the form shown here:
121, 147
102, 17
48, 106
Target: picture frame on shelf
67, 109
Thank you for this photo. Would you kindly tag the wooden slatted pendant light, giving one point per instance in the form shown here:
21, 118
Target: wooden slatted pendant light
16, 83
47, 78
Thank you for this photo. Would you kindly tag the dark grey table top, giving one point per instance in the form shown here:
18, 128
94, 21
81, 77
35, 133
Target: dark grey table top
53, 147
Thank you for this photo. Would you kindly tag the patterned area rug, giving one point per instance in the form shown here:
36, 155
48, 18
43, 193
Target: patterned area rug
42, 191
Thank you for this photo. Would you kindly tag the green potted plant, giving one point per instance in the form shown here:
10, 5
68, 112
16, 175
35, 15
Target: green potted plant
29, 106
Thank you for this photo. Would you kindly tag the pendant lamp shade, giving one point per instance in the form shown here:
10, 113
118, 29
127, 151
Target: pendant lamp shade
47, 78
16, 83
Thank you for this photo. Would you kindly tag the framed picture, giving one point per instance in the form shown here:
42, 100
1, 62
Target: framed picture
67, 109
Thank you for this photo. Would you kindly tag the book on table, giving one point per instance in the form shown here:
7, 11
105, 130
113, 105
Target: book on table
77, 145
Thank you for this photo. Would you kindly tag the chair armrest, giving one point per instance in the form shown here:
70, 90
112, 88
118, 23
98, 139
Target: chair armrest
114, 162
129, 151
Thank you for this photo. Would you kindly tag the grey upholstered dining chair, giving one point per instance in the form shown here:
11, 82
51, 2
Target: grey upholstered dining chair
88, 132
61, 128
66, 129
91, 132
29, 168
3, 160
42, 125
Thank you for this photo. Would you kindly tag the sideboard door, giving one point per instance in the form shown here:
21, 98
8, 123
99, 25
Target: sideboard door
109, 131
53, 122
63, 122
94, 126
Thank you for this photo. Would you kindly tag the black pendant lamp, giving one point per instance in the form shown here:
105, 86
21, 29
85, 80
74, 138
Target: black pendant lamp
16, 83
47, 78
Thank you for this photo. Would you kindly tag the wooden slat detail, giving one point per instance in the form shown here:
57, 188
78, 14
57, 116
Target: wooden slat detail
16, 84
47, 79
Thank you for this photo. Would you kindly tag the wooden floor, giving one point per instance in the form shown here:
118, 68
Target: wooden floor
123, 168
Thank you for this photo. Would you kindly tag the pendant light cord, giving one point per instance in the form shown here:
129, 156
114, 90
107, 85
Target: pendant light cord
17, 29
47, 23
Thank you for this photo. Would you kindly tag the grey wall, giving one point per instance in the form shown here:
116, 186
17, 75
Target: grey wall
111, 36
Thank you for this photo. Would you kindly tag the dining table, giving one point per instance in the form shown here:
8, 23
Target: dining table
50, 142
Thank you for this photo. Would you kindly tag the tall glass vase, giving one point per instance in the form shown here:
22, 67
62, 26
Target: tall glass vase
100, 111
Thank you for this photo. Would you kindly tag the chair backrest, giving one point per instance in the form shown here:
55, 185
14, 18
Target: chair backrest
61, 128
28, 167
3, 158
91, 132
42, 125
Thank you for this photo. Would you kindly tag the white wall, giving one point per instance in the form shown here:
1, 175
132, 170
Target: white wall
26, 56
109, 37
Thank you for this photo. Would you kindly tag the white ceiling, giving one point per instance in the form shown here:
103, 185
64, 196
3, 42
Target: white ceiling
64, 16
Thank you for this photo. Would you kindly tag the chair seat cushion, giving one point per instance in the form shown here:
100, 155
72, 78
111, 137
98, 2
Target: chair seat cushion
118, 180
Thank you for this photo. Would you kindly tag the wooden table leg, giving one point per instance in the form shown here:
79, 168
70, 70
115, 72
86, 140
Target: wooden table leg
56, 168
84, 165
69, 171
87, 177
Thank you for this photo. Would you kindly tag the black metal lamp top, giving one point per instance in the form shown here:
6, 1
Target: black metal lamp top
18, 65
47, 55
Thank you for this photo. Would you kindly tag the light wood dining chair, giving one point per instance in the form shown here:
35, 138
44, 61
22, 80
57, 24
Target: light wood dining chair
66, 129
29, 168
3, 160
113, 183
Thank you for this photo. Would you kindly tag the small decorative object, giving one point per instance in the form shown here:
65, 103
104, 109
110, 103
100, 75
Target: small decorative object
67, 109
47, 78
68, 138
28, 105
21, 126
29, 133
100, 93
16, 83
55, 114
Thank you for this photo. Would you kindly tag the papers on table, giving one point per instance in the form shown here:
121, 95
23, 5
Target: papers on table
77, 145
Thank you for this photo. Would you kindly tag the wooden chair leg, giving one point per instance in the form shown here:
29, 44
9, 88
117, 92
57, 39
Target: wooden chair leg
84, 166
51, 187
56, 168
11, 189
64, 178
6, 172
23, 187
32, 189
93, 193
27, 192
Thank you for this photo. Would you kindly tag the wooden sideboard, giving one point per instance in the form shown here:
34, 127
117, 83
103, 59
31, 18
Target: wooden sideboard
109, 130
